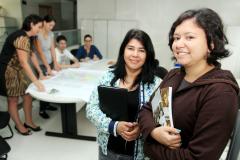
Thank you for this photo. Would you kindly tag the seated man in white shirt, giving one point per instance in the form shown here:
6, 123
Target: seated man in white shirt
63, 56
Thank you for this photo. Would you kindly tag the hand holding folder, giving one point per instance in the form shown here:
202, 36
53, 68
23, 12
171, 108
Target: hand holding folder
113, 102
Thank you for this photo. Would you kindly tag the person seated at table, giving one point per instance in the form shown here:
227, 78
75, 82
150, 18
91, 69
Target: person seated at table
88, 50
16, 73
63, 56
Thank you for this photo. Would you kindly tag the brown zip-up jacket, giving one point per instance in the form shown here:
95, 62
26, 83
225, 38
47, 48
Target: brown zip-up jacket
205, 112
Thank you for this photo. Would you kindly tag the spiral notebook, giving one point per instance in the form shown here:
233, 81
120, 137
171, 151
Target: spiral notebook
113, 102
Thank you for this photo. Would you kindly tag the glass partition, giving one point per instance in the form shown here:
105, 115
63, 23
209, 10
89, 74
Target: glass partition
73, 36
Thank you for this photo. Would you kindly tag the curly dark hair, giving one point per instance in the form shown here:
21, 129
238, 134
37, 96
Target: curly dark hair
211, 23
32, 18
87, 36
61, 37
149, 67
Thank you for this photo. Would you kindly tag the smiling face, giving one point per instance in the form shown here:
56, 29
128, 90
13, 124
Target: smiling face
190, 44
35, 28
88, 42
62, 44
49, 25
134, 55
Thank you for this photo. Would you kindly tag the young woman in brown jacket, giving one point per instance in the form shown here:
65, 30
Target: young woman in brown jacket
204, 97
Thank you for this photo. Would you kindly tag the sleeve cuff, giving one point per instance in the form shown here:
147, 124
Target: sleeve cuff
111, 127
115, 129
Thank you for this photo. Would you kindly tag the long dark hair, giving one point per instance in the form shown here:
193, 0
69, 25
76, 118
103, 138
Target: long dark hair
87, 36
212, 25
33, 18
49, 18
149, 67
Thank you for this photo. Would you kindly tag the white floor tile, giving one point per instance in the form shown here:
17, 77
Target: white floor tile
40, 147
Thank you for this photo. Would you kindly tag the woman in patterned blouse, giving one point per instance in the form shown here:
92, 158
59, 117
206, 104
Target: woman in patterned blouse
16, 73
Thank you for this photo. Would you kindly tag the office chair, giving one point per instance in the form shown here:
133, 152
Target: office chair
161, 72
234, 147
4, 149
4, 146
4, 121
74, 53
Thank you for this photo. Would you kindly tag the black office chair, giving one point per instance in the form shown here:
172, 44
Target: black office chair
4, 146
4, 149
74, 53
4, 122
234, 147
161, 72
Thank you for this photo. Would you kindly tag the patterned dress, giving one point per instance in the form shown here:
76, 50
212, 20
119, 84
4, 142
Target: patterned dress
13, 80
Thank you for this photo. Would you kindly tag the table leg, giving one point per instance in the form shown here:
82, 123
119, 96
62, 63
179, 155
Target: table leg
69, 124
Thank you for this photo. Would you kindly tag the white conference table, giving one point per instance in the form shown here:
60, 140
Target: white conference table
72, 86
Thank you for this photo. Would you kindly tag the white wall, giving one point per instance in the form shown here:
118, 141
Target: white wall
30, 8
232, 62
13, 9
107, 34
155, 16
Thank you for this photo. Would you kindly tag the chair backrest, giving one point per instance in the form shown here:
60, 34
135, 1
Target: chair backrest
161, 72
74, 52
234, 147
4, 148
4, 119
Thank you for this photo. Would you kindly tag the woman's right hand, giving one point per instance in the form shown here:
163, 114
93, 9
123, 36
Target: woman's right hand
167, 136
127, 130
39, 85
49, 71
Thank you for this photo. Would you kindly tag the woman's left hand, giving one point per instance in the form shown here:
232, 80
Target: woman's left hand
167, 136
39, 85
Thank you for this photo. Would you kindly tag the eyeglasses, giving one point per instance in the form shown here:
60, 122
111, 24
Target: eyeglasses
87, 40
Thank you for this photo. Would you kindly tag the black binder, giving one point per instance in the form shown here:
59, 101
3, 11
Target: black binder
113, 102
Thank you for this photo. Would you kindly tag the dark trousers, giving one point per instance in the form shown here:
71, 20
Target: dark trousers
43, 104
112, 156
